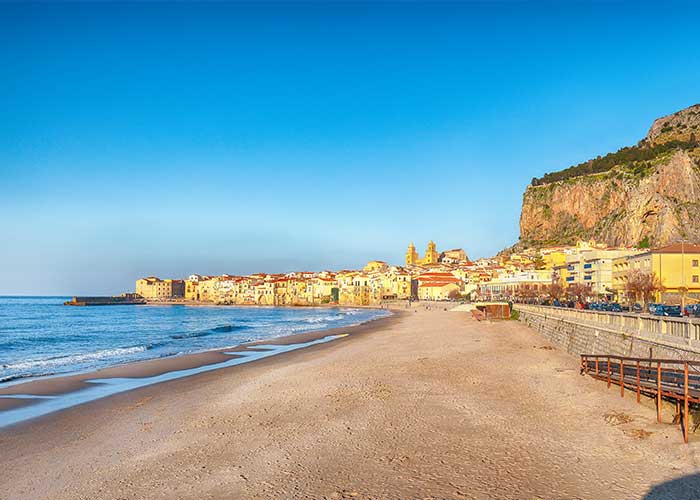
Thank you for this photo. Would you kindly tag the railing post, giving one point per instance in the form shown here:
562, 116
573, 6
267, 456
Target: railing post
686, 421
608, 372
638, 383
622, 378
658, 391
597, 371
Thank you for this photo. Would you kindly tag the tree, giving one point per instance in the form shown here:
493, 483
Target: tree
555, 290
578, 291
643, 285
453, 295
525, 291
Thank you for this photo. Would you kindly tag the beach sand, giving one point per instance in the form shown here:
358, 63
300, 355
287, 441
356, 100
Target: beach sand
426, 404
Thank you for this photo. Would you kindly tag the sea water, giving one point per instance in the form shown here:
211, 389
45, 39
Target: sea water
39, 336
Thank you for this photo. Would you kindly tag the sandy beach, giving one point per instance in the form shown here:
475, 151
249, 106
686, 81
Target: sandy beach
425, 404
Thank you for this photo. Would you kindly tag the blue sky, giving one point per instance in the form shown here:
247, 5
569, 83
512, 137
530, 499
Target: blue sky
223, 138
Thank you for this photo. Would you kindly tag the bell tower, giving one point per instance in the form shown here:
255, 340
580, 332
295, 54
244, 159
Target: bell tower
411, 255
431, 254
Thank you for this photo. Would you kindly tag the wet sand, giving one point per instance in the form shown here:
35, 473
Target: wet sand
430, 404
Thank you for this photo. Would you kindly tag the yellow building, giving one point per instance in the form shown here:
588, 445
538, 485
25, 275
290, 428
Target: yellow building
678, 269
431, 255
400, 285
554, 259
620, 274
153, 288
264, 293
375, 265
191, 290
438, 285
208, 289
438, 291
411, 255
192, 286
453, 256
321, 290
361, 290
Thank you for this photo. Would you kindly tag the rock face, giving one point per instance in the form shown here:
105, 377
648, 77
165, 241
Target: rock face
655, 200
677, 126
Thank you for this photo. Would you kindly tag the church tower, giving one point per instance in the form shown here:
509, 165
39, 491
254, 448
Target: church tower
411, 255
431, 254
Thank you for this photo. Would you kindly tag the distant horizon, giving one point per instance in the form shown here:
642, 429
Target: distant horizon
142, 140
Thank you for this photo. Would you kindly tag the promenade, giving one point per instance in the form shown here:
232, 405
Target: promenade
432, 405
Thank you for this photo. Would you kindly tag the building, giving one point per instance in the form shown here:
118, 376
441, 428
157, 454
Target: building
411, 255
153, 288
431, 257
438, 290
523, 284
192, 286
592, 266
620, 276
553, 257
678, 269
438, 285
376, 265
454, 256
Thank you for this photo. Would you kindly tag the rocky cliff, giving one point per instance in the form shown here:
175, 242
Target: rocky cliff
643, 194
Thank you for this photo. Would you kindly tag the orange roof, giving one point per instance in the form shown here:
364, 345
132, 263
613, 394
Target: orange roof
678, 248
438, 277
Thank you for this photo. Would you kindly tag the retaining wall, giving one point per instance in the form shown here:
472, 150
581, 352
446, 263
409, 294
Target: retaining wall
580, 332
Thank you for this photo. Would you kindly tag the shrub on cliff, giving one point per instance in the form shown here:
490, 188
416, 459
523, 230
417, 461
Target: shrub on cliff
635, 157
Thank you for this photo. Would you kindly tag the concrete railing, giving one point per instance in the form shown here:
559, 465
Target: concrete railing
684, 328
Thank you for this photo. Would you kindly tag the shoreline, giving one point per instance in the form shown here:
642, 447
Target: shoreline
12, 397
197, 303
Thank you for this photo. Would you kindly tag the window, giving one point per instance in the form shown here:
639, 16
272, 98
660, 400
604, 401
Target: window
695, 278
695, 262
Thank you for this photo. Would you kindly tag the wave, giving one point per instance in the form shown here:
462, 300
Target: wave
210, 331
19, 376
323, 319
71, 359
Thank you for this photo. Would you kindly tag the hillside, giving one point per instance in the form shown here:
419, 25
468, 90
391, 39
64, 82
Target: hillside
646, 194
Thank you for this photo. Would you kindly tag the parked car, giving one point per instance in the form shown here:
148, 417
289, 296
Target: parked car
637, 308
669, 311
692, 310
651, 308
615, 307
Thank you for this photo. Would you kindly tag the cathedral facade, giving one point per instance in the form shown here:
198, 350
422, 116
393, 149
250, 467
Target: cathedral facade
431, 255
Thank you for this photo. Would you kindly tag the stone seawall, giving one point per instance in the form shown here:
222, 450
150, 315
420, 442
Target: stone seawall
579, 337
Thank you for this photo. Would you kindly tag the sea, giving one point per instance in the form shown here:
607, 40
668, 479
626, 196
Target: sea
39, 336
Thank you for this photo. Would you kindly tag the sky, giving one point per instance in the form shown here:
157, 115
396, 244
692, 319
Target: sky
171, 139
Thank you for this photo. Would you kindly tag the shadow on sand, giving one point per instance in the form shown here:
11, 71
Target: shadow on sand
683, 488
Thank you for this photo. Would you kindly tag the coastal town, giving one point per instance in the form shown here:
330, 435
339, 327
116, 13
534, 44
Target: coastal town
587, 271
350, 251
